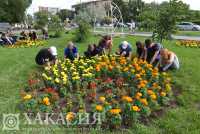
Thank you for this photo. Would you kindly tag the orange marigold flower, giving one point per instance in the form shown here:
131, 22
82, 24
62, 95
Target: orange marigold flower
99, 108
139, 94
137, 75
144, 101
115, 111
70, 116
110, 67
46, 101
127, 98
98, 68
150, 92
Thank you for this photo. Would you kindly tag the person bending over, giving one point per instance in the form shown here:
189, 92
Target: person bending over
91, 51
105, 45
71, 52
140, 50
125, 50
168, 60
152, 51
46, 56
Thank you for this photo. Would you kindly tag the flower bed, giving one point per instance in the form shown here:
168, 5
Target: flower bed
189, 43
121, 91
26, 43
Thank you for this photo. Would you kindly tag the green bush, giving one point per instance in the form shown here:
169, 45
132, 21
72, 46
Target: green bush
82, 32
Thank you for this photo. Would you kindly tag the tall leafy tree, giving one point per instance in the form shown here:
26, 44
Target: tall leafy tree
169, 14
64, 13
13, 10
41, 19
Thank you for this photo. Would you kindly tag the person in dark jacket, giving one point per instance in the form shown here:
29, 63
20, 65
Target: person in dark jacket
105, 45
140, 50
152, 51
91, 51
46, 56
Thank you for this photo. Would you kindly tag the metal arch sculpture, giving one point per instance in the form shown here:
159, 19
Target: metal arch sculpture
116, 20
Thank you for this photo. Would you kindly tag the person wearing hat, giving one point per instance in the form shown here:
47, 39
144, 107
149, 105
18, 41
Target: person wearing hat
152, 51
71, 52
46, 56
125, 49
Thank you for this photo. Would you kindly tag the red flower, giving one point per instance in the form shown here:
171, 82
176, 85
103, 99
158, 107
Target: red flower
119, 82
49, 90
108, 80
32, 82
108, 91
92, 85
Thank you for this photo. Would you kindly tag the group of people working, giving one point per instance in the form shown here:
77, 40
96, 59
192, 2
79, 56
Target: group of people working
32, 35
153, 53
10, 39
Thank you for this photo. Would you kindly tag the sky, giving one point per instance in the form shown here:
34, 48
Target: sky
66, 4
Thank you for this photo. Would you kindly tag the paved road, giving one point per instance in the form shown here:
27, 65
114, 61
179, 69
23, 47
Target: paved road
149, 34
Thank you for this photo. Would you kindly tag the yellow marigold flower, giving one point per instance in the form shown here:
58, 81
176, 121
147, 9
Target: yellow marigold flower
115, 111
133, 71
136, 108
153, 97
70, 116
144, 101
46, 101
127, 98
102, 99
76, 78
168, 87
164, 73
125, 69
27, 97
99, 108
163, 94
57, 80
81, 110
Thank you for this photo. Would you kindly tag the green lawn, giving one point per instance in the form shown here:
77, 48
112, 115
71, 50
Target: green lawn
188, 33
17, 64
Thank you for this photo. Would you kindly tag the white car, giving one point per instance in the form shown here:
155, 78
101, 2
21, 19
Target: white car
188, 26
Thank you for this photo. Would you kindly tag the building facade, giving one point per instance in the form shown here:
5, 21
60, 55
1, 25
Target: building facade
52, 10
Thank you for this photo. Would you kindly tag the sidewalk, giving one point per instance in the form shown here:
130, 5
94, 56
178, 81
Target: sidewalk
149, 34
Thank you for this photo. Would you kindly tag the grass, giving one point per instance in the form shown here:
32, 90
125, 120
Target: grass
188, 33
17, 64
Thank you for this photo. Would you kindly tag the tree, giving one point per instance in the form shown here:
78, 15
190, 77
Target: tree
55, 25
135, 8
83, 31
169, 14
147, 16
64, 13
41, 19
13, 11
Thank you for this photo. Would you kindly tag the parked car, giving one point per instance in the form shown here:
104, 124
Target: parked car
188, 26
